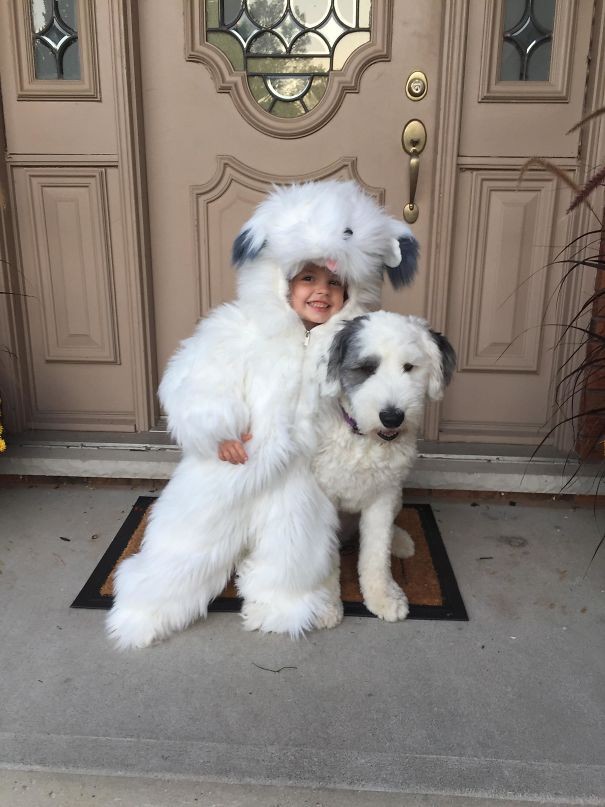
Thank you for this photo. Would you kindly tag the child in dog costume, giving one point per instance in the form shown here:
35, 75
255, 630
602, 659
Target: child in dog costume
253, 367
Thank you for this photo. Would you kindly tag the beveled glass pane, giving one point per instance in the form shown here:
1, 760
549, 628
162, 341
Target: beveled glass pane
527, 40
288, 109
288, 29
514, 11
230, 46
310, 44
267, 44
55, 39
45, 63
213, 13
245, 28
510, 68
275, 66
68, 12
318, 88
310, 13
538, 63
71, 62
288, 47
331, 30
365, 10
260, 92
231, 10
544, 13
346, 47
287, 89
42, 11
266, 14
346, 11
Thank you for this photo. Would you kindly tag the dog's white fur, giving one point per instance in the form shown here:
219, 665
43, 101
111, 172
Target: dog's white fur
248, 368
360, 471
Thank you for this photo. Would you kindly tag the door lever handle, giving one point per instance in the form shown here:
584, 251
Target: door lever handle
413, 141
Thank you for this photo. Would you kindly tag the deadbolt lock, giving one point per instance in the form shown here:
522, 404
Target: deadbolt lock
416, 86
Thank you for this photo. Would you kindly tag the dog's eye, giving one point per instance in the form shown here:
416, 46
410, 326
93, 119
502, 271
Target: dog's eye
407, 368
348, 232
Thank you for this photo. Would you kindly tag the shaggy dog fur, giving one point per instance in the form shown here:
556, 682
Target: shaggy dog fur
385, 366
251, 367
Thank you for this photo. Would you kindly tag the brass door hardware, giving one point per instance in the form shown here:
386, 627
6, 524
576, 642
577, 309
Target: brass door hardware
416, 87
413, 141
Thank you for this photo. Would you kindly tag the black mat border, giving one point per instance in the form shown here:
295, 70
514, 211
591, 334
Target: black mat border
452, 608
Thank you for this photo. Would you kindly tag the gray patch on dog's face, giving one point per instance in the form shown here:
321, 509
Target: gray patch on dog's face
346, 362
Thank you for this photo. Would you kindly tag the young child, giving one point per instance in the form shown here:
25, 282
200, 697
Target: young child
315, 294
242, 396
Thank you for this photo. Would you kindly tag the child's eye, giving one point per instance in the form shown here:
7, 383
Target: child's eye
307, 278
335, 283
407, 368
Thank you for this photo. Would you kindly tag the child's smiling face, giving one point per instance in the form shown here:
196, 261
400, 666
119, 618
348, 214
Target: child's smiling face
316, 294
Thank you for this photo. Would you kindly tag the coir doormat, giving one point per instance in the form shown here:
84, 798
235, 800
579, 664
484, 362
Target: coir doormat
427, 578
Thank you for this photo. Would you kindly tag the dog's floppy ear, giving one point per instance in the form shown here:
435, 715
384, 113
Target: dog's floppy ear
401, 261
443, 366
246, 247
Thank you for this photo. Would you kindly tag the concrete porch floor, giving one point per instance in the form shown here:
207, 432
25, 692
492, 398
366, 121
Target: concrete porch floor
508, 707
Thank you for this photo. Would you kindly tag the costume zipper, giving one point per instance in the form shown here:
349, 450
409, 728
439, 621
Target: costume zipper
307, 337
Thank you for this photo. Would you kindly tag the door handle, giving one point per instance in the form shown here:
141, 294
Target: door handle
413, 141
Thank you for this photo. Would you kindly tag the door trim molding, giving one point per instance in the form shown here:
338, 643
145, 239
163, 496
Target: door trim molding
592, 149
133, 188
451, 81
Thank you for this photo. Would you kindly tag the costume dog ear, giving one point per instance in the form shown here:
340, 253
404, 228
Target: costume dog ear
401, 260
246, 247
443, 366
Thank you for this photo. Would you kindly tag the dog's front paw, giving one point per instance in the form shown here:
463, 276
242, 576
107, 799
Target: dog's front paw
331, 616
403, 546
388, 603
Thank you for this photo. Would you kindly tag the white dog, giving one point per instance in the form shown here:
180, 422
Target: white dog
252, 367
386, 365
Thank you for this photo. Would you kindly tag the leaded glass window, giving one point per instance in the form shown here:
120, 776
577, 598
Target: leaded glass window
287, 48
527, 40
55, 39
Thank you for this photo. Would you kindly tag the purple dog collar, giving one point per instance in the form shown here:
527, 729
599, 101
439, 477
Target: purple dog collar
349, 420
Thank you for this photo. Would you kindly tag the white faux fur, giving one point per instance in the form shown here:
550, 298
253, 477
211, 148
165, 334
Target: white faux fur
360, 471
251, 367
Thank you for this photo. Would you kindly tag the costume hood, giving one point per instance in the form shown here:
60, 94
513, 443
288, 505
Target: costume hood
331, 223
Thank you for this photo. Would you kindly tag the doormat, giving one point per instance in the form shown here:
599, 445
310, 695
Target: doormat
427, 578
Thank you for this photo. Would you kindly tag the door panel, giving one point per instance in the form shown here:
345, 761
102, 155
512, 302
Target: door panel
208, 166
506, 232
71, 157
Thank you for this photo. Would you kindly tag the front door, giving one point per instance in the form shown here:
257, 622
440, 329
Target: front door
129, 188
241, 95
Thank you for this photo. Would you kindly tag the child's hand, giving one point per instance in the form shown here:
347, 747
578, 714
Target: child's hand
233, 451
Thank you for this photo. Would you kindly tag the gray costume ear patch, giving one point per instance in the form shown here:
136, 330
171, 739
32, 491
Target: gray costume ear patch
448, 355
341, 343
244, 249
403, 274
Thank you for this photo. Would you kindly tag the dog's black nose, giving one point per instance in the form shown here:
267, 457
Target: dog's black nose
391, 417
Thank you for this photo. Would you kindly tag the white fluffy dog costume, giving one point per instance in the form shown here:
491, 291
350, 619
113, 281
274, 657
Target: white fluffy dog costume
252, 367
385, 366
